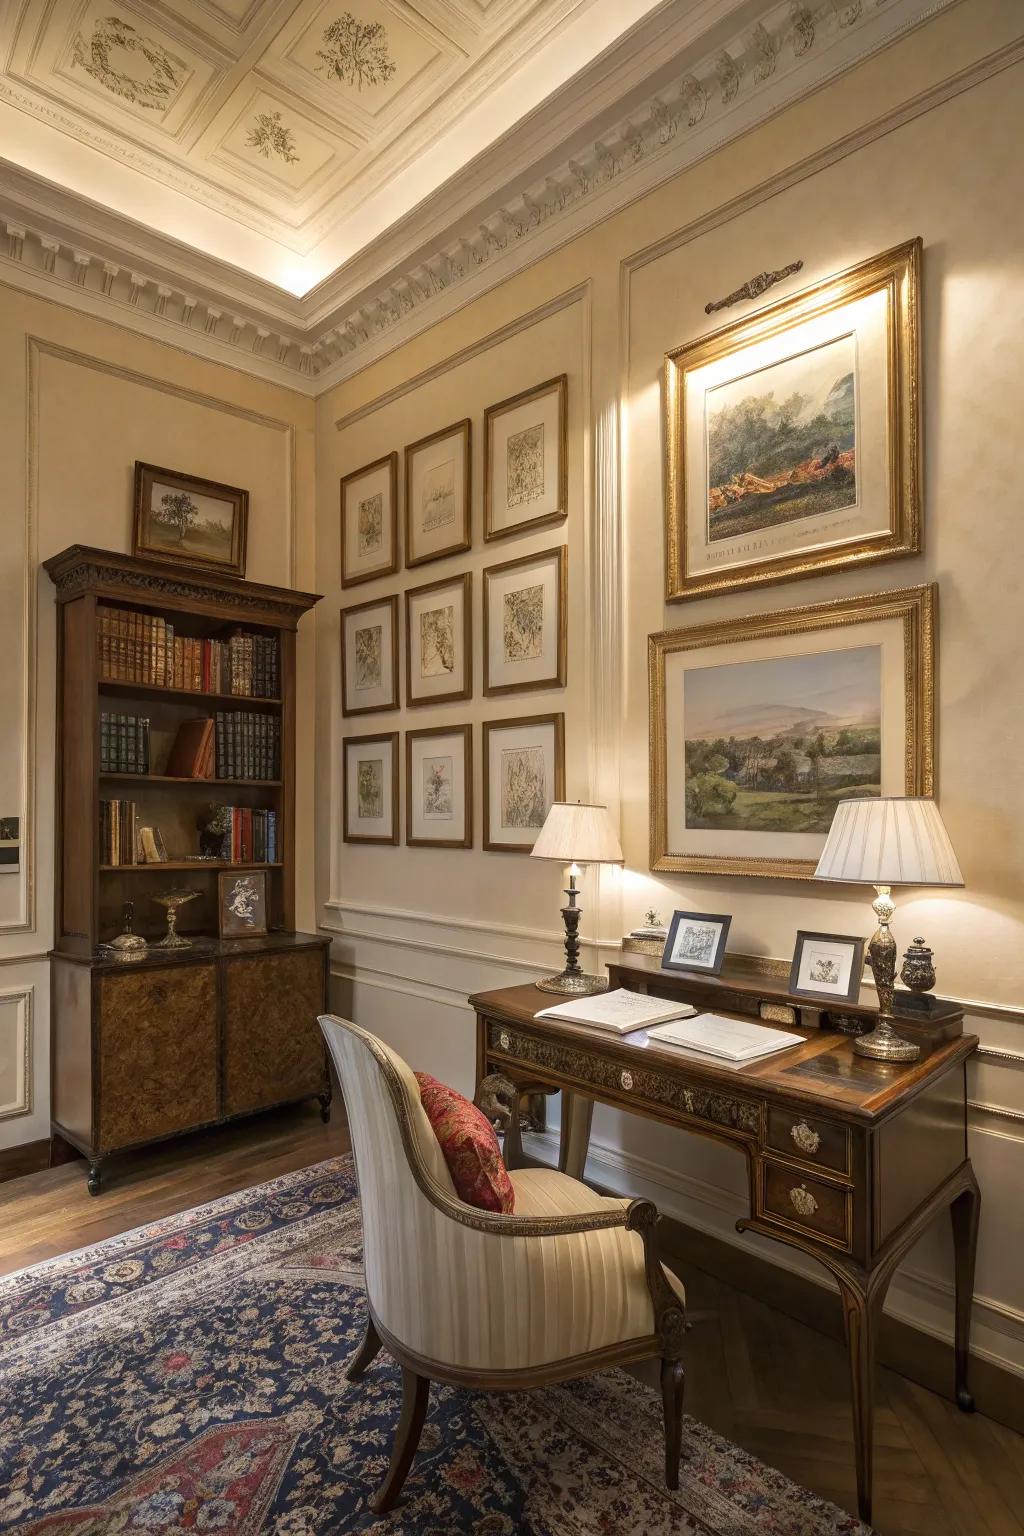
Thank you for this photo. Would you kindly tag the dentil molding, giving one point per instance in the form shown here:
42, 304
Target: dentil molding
790, 49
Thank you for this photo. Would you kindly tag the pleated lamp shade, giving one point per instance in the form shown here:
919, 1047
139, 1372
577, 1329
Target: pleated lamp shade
889, 842
578, 834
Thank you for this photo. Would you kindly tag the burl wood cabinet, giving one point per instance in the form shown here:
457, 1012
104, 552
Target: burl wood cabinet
171, 1043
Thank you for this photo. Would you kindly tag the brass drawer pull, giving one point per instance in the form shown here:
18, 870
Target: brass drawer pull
626, 1079
807, 1140
804, 1202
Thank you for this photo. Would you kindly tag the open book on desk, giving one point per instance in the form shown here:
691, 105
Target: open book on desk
729, 1039
620, 1011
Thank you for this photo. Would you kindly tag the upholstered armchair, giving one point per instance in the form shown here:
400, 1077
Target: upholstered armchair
569, 1284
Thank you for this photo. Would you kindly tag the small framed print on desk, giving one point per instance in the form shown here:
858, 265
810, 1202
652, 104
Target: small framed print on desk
827, 966
696, 942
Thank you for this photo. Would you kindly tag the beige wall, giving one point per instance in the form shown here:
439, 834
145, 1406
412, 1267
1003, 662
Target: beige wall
885, 153
80, 401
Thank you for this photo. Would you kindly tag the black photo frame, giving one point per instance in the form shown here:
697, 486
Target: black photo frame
693, 962
821, 992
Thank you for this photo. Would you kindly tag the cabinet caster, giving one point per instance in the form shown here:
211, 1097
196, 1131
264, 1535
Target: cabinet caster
964, 1401
325, 1107
93, 1182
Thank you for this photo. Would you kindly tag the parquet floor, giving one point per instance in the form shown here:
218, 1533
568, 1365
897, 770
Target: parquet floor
770, 1384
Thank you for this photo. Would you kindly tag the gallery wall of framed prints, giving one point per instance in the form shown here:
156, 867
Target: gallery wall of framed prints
414, 645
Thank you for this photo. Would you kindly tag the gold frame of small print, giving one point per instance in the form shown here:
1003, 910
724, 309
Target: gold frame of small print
559, 386
390, 460
491, 729
347, 708
466, 840
463, 432
390, 840
466, 691
559, 554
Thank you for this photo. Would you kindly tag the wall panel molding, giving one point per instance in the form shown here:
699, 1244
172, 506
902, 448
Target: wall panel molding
16, 1016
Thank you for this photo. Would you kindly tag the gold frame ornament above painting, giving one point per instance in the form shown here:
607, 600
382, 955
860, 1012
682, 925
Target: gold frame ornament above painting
369, 521
529, 611
369, 656
793, 435
439, 641
439, 787
761, 725
526, 464
438, 482
192, 523
369, 803
523, 773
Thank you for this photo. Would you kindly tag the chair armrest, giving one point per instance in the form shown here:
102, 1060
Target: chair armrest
497, 1224
669, 1313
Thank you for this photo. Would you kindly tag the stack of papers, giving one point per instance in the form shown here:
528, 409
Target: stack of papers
620, 1011
728, 1039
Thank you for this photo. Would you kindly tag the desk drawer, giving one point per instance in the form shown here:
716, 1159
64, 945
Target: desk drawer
806, 1139
790, 1198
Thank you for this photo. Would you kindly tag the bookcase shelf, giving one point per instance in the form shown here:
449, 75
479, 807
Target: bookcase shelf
194, 866
188, 783
119, 687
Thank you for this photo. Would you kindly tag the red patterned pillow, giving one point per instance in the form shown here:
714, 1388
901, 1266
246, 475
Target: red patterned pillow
470, 1147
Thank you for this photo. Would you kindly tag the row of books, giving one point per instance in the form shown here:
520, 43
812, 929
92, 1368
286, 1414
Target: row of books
143, 648
251, 836
124, 744
248, 745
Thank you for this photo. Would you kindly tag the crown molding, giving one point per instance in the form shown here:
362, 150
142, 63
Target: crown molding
475, 234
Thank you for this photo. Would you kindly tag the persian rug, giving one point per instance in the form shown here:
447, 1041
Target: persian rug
189, 1377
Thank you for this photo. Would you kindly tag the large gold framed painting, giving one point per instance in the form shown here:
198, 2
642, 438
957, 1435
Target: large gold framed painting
760, 726
793, 435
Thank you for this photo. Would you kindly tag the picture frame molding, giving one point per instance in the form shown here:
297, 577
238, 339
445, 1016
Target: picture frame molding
546, 519
390, 459
897, 269
145, 474
465, 429
466, 691
915, 607
224, 878
714, 969
852, 993
557, 720
391, 601
466, 732
561, 551
365, 838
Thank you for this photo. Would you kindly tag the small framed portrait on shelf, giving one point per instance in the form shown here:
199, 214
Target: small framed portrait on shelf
439, 641
242, 904
525, 623
369, 657
369, 521
827, 966
696, 942
186, 521
526, 474
524, 771
439, 787
438, 478
369, 788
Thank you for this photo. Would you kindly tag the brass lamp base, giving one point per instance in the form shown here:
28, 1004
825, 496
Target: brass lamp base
883, 1043
573, 984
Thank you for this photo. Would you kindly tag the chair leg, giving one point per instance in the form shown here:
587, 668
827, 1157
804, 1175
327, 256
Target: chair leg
366, 1354
672, 1380
415, 1392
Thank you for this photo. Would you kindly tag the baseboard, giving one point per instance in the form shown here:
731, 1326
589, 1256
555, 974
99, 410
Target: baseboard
30, 1157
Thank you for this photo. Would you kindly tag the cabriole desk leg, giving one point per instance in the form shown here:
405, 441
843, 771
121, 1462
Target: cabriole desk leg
577, 1114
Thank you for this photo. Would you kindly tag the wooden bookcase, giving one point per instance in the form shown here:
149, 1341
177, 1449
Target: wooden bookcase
181, 1000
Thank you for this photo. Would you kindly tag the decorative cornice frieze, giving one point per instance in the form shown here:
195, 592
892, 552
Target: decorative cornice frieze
792, 48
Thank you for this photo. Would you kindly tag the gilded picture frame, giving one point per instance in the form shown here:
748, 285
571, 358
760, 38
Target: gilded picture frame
183, 520
749, 692
439, 641
527, 437
536, 743
369, 521
793, 435
526, 626
438, 492
369, 803
369, 656
442, 789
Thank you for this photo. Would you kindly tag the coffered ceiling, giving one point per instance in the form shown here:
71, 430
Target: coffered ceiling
279, 135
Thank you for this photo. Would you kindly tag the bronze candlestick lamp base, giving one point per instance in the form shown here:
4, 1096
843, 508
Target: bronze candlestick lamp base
883, 1043
574, 980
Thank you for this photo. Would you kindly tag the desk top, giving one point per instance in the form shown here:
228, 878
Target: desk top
824, 1071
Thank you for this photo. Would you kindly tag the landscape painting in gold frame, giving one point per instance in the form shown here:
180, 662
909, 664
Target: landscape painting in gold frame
761, 725
792, 435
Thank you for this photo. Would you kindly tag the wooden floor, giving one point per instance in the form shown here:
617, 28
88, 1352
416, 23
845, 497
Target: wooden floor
770, 1384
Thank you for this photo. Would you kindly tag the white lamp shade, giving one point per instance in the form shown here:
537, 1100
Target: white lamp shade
578, 834
889, 842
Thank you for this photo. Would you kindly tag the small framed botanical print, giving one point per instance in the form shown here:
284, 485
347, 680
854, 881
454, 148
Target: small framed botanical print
369, 780
696, 942
525, 623
524, 771
369, 521
439, 640
189, 522
369, 657
439, 787
242, 904
438, 475
526, 473
827, 965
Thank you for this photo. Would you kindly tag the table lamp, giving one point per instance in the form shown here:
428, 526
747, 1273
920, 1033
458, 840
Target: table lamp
887, 842
576, 834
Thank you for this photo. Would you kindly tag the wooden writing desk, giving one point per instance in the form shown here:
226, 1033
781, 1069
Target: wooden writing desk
848, 1159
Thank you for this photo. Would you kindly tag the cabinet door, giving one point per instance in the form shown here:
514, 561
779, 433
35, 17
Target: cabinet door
273, 1048
157, 1053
